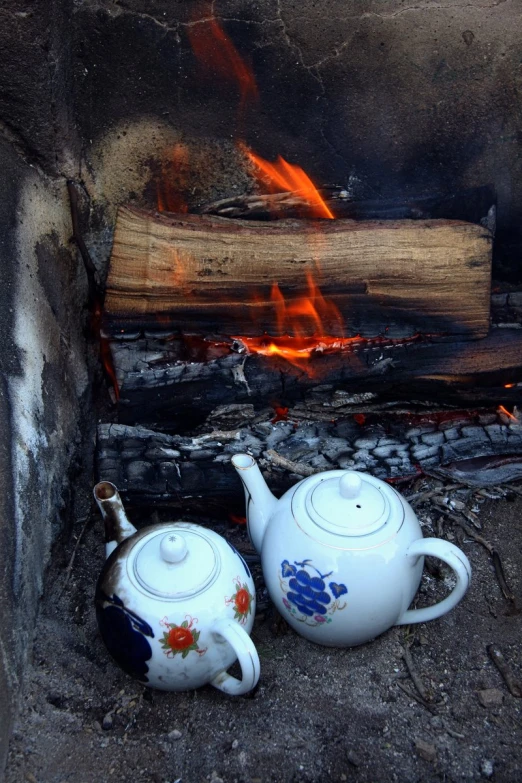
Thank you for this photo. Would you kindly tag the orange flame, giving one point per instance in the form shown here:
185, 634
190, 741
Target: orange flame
503, 410
302, 325
105, 349
218, 57
307, 314
283, 176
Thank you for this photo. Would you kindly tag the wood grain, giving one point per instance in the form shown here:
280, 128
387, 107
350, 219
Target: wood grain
203, 273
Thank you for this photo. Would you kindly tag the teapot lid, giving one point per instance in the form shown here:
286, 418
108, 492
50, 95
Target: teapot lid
345, 503
174, 563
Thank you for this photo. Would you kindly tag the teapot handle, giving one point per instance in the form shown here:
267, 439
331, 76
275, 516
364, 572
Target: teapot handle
457, 560
247, 656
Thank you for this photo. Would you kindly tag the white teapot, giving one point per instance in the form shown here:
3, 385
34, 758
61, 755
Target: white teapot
342, 554
175, 603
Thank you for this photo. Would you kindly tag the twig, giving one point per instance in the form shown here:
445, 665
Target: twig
294, 467
467, 529
415, 696
217, 435
259, 203
68, 570
408, 660
471, 533
495, 557
499, 571
514, 685
453, 733
418, 497
512, 488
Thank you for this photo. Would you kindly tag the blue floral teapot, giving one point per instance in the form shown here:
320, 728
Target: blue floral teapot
342, 554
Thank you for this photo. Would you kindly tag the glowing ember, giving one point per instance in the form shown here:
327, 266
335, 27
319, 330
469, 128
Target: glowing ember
236, 519
302, 322
105, 349
281, 413
298, 350
503, 410
282, 176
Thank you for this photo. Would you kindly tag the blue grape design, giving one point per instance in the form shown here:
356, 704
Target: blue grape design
307, 594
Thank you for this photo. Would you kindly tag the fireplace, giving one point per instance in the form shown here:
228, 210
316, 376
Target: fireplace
121, 122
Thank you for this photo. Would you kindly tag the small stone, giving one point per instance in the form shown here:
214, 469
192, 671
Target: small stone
491, 697
425, 750
175, 734
30, 777
107, 722
235, 744
486, 768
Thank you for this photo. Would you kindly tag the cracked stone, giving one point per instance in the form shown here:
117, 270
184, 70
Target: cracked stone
491, 697
425, 750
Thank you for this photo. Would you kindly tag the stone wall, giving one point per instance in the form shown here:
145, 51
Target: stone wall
44, 384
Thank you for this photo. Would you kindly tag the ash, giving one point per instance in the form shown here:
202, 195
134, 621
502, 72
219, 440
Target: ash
424, 702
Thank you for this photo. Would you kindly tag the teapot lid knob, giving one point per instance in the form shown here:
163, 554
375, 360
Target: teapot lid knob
350, 485
173, 548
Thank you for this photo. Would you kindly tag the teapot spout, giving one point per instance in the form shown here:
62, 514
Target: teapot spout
260, 502
117, 526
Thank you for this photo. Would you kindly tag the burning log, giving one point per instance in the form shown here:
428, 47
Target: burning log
205, 274
475, 205
193, 472
178, 382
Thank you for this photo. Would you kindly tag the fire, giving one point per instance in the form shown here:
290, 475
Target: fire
282, 176
302, 325
307, 314
502, 409
105, 349
218, 57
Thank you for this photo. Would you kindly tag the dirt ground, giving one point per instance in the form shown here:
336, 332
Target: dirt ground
318, 714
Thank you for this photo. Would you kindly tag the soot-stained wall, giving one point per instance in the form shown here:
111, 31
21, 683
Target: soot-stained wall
389, 97
386, 97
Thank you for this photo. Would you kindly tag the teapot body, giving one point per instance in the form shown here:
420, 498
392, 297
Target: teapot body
171, 635
342, 554
340, 593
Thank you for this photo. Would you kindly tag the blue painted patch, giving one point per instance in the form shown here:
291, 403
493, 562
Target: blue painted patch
124, 635
233, 548
307, 593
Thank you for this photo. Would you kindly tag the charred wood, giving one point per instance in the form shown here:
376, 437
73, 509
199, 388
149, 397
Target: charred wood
475, 205
162, 379
194, 471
